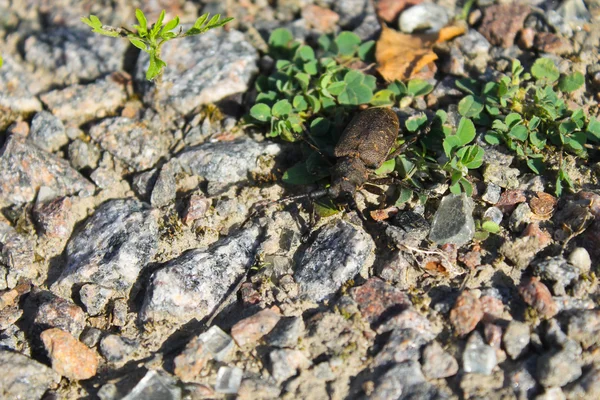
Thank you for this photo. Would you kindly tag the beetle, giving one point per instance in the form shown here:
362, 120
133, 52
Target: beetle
364, 145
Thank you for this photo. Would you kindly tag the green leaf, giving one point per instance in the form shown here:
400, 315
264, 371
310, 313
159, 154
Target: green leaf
536, 165
138, 43
398, 88
300, 103
267, 97
534, 122
537, 139
544, 68
314, 103
415, 122
325, 208
383, 97
405, 195
475, 157
336, 88
355, 92
490, 226
155, 68
280, 40
455, 188
305, 53
468, 85
142, 28
261, 112
419, 87
347, 43
493, 137
169, 26
157, 25
572, 82
1, 61
593, 129
512, 119
558, 189
303, 79
450, 143
94, 23
467, 187
281, 108
519, 132
319, 126
470, 107
366, 51
324, 42
311, 67
387, 167
465, 131
299, 175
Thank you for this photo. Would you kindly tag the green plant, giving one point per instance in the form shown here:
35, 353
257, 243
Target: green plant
528, 113
1, 61
151, 39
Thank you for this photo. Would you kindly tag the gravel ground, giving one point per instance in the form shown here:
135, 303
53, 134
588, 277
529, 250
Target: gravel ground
134, 263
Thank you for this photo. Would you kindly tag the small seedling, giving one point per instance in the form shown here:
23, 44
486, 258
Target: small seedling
151, 39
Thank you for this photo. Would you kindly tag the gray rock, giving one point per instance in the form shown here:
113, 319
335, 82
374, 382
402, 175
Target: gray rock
201, 69
588, 387
17, 253
192, 285
119, 312
217, 343
24, 378
228, 380
523, 383
516, 339
407, 227
473, 44
351, 12
111, 248
83, 154
131, 141
520, 217
56, 312
165, 189
478, 358
83, 103
405, 381
437, 363
501, 175
286, 333
72, 55
403, 344
584, 327
553, 393
557, 270
428, 17
337, 254
90, 337
155, 386
580, 258
116, 348
48, 132
226, 162
369, 28
17, 91
285, 363
493, 214
558, 368
24, 168
143, 183
574, 11
492, 193
453, 221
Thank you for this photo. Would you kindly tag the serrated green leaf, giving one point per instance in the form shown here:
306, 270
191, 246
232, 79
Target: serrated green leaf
465, 131
544, 68
470, 106
572, 82
419, 87
347, 43
261, 112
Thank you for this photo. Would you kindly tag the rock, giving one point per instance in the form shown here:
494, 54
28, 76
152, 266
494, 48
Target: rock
474, 44
72, 55
520, 217
217, 64
119, 312
192, 285
388, 10
228, 380
286, 333
251, 329
516, 339
69, 356
131, 141
339, 252
547, 42
405, 381
17, 253
83, 154
83, 103
522, 250
155, 385
189, 364
453, 221
143, 183
321, 19
588, 387
226, 162
493, 214
509, 200
580, 258
428, 17
502, 22
537, 295
584, 327
90, 337
95, 298
501, 175
409, 319
556, 269
196, 208
24, 168
492, 193
56, 312
117, 349
437, 363
165, 189
466, 313
218, 344
111, 248
251, 389
54, 218
17, 91
553, 393
351, 12
24, 378
285, 363
403, 344
558, 368
407, 227
478, 358
47, 132
377, 300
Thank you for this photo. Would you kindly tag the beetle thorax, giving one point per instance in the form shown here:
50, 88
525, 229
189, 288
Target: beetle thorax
348, 174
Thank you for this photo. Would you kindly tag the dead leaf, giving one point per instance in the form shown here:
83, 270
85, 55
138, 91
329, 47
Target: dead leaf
543, 205
382, 215
403, 56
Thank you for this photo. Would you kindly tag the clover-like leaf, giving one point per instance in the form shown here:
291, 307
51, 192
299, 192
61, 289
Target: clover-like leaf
261, 112
544, 68
465, 131
470, 106
572, 82
347, 43
419, 87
